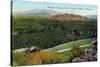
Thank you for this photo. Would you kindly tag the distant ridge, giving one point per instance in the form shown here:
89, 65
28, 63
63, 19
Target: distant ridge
69, 17
36, 12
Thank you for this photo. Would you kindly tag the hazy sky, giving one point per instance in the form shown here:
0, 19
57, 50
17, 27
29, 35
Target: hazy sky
20, 5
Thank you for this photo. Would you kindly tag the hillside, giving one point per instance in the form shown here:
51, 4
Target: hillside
69, 45
54, 55
69, 17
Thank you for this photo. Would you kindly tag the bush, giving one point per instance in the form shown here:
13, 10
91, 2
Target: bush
19, 59
42, 57
76, 51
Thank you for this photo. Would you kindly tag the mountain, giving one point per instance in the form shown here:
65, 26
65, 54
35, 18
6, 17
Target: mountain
53, 14
36, 12
69, 17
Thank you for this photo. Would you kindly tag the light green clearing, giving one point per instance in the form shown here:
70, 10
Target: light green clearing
71, 44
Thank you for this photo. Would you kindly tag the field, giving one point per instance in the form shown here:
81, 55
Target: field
48, 56
83, 42
58, 41
46, 33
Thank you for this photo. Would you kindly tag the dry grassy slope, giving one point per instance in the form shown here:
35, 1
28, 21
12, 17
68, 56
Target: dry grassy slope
69, 17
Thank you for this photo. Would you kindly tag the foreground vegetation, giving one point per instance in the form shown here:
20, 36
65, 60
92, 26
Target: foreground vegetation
49, 56
41, 57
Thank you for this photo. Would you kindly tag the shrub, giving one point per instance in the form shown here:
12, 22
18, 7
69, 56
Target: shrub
42, 57
76, 51
19, 59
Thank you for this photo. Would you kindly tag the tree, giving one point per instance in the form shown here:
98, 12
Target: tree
76, 32
75, 51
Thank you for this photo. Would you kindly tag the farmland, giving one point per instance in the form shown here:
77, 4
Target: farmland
46, 33
48, 56
51, 37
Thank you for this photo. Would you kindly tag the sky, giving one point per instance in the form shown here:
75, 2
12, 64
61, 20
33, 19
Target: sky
21, 5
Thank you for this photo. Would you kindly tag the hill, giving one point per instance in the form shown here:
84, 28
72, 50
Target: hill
69, 45
69, 17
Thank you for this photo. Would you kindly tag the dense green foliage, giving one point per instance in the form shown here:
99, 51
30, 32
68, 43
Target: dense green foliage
44, 33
